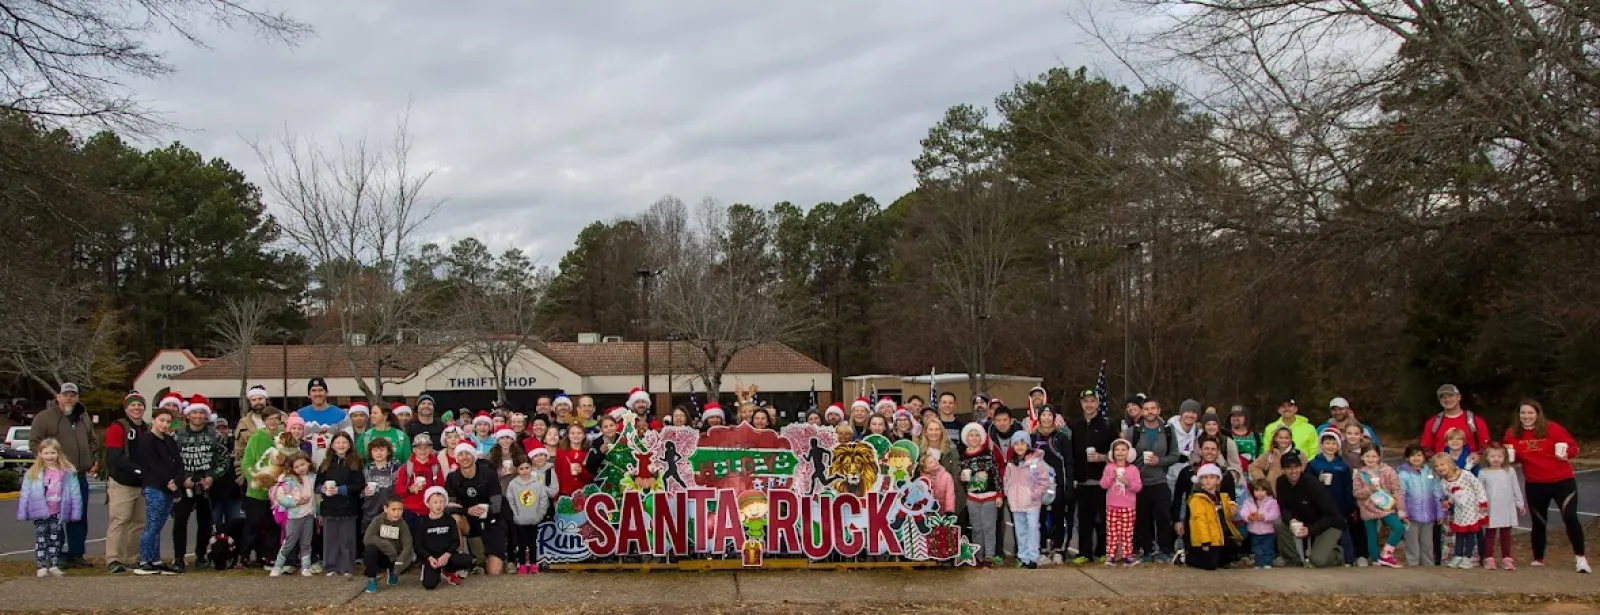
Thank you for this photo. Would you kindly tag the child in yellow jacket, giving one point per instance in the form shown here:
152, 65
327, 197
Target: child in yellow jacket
1212, 538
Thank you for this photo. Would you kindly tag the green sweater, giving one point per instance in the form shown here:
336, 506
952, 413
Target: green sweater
260, 442
396, 437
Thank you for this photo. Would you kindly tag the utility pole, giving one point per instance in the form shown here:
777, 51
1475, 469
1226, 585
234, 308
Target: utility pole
983, 370
1127, 311
644, 292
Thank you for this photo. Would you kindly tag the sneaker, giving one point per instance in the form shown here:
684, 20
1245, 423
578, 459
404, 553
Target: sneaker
394, 578
290, 569
1363, 562
1266, 568
534, 568
55, 571
146, 568
1538, 563
452, 578
316, 567
166, 570
372, 585
308, 571
1132, 561
116, 567
1466, 563
43, 572
1488, 563
200, 563
178, 567
1389, 561
1582, 564
1081, 560
277, 571
332, 573
1508, 564
997, 561
1031, 565
1055, 558
1162, 558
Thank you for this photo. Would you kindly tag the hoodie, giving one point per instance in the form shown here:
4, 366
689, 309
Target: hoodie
1057, 449
432, 475
1027, 478
1268, 507
391, 538
980, 469
530, 497
1335, 475
350, 483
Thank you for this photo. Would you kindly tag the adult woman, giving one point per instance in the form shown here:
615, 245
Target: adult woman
760, 419
572, 461
934, 437
1245, 439
381, 428
904, 427
1545, 451
1228, 452
680, 417
813, 418
1270, 466
536, 430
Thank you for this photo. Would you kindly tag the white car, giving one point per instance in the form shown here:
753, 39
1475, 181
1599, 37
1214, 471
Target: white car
17, 438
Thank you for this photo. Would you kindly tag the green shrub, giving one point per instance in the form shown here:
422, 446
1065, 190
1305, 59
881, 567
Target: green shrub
10, 480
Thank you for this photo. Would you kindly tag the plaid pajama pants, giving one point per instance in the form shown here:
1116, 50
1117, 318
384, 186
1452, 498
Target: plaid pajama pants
1119, 533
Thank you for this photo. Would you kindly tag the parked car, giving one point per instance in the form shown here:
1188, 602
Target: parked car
19, 409
8, 454
17, 439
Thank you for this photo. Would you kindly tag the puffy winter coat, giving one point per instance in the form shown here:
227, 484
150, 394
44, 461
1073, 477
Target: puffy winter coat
1027, 481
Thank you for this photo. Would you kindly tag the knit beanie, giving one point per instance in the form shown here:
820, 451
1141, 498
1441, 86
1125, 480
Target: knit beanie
133, 397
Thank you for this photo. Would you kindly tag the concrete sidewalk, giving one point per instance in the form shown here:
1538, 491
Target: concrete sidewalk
802, 587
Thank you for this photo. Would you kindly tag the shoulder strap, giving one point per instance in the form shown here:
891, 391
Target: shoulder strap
1472, 424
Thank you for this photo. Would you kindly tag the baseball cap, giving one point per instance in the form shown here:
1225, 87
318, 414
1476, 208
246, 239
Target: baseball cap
422, 439
1287, 400
68, 387
1088, 393
1338, 402
1448, 389
1239, 411
981, 397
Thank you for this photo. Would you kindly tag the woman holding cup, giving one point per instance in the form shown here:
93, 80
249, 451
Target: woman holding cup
1545, 450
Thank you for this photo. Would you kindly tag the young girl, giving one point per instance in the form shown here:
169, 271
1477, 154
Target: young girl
340, 482
877, 425
447, 459
981, 473
1422, 495
505, 457
1354, 437
49, 499
940, 484
1122, 485
1329, 467
1465, 503
1382, 500
1260, 514
482, 434
1268, 468
1504, 491
293, 495
399, 443
1027, 478
1209, 522
572, 461
156, 455
530, 492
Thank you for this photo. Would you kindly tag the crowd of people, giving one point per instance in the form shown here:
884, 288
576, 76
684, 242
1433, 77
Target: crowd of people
319, 489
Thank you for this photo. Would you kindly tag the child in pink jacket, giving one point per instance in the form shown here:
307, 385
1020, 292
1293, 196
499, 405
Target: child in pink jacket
1260, 514
1122, 485
940, 484
1027, 479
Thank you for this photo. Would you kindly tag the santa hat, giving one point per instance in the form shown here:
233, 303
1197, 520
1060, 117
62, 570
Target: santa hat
860, 402
1332, 433
834, 409
198, 403
448, 429
884, 401
538, 449
256, 391
973, 428
562, 400
360, 407
401, 409
505, 433
713, 409
616, 411
172, 397
428, 495
464, 448
636, 395
483, 417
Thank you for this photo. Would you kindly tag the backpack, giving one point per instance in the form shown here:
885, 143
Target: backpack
1438, 419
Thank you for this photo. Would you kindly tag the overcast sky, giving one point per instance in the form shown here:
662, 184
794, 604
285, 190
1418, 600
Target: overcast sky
544, 116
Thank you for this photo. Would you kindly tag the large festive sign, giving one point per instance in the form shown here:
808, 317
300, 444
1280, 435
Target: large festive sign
752, 493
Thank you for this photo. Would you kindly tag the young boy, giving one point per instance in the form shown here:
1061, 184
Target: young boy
438, 545
1330, 468
387, 538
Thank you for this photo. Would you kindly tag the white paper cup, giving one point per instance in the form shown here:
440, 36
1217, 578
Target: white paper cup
326, 485
1327, 479
1511, 455
1561, 450
1090, 450
1295, 527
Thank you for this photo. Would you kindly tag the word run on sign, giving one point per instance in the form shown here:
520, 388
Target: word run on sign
756, 493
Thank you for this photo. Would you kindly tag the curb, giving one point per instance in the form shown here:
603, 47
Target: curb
5, 497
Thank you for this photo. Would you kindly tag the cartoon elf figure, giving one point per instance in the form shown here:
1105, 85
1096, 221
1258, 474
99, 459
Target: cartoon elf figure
753, 512
901, 456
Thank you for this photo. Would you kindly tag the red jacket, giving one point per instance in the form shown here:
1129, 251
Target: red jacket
1433, 439
432, 475
1538, 455
568, 481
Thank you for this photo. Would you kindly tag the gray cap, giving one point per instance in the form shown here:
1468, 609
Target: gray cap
1448, 389
68, 387
1189, 405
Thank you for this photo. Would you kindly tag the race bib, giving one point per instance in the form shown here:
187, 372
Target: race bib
389, 532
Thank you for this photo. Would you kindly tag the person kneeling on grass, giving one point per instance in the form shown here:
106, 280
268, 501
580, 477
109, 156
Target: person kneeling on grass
438, 544
386, 538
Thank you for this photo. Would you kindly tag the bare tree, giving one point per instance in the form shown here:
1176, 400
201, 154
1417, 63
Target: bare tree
64, 61
61, 337
495, 322
355, 213
238, 328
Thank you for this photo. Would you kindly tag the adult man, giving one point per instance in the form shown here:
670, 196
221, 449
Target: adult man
542, 407
947, 416
586, 418
1208, 450
66, 420
1157, 448
560, 413
1054, 524
476, 501
426, 423
1186, 425
639, 402
205, 459
1453, 417
981, 409
252, 420
322, 420
124, 492
1339, 414
915, 404
360, 416
1091, 441
1307, 513
1300, 429
1002, 427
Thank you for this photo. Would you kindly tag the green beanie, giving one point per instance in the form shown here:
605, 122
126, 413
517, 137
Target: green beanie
133, 396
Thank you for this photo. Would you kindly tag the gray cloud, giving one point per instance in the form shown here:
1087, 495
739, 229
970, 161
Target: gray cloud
544, 116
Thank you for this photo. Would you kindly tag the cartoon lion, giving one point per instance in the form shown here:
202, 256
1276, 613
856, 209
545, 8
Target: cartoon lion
854, 468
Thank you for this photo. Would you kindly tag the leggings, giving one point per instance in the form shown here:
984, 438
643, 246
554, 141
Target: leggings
260, 535
1465, 543
49, 537
1564, 495
157, 506
431, 576
1397, 533
524, 544
183, 508
296, 536
1119, 533
1489, 536
1091, 504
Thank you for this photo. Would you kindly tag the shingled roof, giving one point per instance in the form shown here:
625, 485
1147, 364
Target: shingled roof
315, 361
627, 358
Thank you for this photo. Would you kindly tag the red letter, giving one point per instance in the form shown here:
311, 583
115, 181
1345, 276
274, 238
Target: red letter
598, 509
631, 532
781, 534
880, 538
671, 523
727, 526
698, 511
845, 539
816, 515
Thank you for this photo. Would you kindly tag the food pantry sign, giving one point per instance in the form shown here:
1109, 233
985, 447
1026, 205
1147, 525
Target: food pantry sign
754, 493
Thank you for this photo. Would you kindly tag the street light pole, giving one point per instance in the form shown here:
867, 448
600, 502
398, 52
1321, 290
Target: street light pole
983, 375
1127, 311
644, 291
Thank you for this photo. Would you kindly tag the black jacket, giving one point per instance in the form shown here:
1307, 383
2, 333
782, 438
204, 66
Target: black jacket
1308, 503
435, 431
1097, 433
158, 460
436, 537
482, 488
348, 502
1058, 455
122, 437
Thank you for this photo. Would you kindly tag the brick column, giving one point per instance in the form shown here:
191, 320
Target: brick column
661, 405
824, 399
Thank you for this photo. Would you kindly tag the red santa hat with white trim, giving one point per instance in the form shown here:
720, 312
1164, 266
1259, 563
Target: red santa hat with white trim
637, 394
616, 412
359, 407
834, 409
884, 405
712, 409
861, 402
172, 397
198, 403
483, 417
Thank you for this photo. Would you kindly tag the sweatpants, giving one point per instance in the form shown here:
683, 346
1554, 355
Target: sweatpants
49, 537
183, 508
78, 531
261, 532
432, 576
1091, 502
339, 544
157, 507
1564, 495
1355, 541
1503, 534
297, 534
1204, 558
1008, 533
1420, 547
375, 563
1397, 533
124, 520
985, 518
1119, 533
1152, 529
1026, 523
525, 544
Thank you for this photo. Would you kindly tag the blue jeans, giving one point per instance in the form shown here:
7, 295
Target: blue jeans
1027, 531
78, 531
1466, 544
223, 511
157, 506
1264, 547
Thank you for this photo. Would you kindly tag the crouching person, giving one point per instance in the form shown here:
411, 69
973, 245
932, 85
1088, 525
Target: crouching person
387, 537
1307, 513
438, 545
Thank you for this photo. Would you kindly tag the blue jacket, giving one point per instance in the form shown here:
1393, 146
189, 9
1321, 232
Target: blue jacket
31, 504
1339, 486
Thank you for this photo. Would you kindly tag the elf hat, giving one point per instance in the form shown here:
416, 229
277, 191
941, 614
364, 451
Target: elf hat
636, 395
133, 396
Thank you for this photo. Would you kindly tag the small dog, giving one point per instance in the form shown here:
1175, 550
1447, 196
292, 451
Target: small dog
223, 554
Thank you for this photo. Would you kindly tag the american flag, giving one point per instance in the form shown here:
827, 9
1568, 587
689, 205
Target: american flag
694, 400
812, 402
1100, 389
933, 388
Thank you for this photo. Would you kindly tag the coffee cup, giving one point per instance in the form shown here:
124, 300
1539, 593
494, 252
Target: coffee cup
506, 464
328, 486
1561, 450
1327, 479
419, 481
1511, 454
1149, 458
1295, 526
1090, 451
